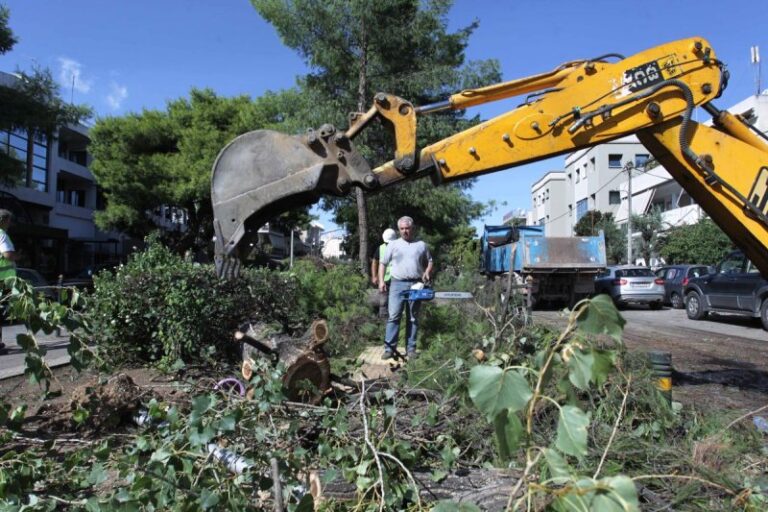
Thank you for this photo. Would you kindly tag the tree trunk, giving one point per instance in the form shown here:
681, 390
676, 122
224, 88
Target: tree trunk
488, 489
303, 357
362, 202
362, 229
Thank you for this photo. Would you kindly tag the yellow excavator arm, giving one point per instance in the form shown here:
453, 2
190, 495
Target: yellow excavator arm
583, 103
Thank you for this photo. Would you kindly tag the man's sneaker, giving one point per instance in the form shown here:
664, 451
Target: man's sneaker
413, 355
386, 355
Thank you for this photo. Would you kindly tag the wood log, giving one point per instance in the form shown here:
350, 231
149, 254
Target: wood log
308, 370
488, 489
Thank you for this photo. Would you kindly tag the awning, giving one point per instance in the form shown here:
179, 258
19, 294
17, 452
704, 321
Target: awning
640, 204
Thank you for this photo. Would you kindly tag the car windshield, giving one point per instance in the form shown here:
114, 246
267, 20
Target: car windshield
31, 277
634, 272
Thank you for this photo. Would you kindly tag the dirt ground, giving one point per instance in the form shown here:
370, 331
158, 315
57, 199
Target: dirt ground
106, 403
713, 370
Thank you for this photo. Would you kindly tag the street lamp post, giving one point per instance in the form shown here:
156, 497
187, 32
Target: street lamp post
628, 167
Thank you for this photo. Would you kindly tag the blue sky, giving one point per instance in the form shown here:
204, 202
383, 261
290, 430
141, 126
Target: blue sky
129, 55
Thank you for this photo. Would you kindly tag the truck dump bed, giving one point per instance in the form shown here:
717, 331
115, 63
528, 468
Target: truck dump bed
563, 254
536, 253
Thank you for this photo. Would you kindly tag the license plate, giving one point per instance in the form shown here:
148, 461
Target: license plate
640, 285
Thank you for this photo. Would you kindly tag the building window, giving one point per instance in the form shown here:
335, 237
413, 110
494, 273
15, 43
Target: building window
614, 197
16, 145
641, 160
614, 161
581, 208
578, 176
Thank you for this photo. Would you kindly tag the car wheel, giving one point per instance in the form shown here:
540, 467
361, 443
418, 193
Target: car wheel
693, 306
764, 313
677, 301
655, 305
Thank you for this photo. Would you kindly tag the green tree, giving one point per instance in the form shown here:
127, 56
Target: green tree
649, 226
159, 158
594, 221
7, 39
356, 48
32, 105
703, 242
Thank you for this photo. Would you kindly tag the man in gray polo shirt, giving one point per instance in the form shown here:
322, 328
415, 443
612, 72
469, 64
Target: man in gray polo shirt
410, 263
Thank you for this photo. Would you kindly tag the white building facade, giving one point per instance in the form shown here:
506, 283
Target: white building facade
549, 207
596, 178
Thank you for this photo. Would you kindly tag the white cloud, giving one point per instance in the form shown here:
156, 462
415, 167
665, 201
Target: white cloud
117, 95
70, 69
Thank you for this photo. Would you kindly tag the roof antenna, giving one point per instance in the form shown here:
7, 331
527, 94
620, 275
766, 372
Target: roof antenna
755, 60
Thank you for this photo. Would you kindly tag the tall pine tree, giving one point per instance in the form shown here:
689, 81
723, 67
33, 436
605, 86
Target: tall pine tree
355, 48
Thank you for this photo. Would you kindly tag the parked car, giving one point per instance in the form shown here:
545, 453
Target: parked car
37, 281
676, 278
736, 286
84, 278
631, 284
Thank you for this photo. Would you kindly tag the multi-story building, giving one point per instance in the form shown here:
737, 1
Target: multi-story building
55, 200
549, 208
594, 176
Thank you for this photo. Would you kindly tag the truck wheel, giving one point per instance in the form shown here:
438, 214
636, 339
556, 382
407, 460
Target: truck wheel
764, 313
693, 306
677, 301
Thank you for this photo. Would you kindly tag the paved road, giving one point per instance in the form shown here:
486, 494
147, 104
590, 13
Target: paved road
721, 363
12, 362
676, 322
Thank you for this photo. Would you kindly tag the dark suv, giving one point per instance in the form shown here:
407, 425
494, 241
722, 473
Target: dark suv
676, 278
736, 287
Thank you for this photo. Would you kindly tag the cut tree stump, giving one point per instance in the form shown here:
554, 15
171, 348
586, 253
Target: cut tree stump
308, 371
488, 489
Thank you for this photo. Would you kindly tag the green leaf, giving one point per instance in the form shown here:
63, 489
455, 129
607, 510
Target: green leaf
600, 316
208, 499
611, 494
580, 367
605, 360
161, 455
623, 495
201, 435
438, 475
306, 504
97, 474
572, 431
559, 470
227, 423
509, 432
80, 415
494, 390
200, 405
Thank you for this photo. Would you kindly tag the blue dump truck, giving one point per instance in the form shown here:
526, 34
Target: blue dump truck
559, 269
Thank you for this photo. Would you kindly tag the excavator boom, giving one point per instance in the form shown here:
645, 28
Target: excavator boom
579, 104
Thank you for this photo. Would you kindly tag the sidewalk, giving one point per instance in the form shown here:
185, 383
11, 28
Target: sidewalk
12, 361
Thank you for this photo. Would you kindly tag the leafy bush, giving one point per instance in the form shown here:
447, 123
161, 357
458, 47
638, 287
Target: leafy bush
161, 309
337, 293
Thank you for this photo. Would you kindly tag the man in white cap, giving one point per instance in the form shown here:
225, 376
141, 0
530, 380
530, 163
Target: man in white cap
388, 236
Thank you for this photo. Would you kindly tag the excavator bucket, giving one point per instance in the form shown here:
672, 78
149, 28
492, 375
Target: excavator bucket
264, 173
